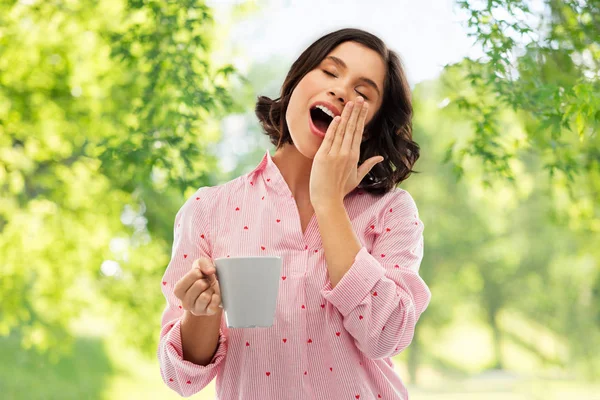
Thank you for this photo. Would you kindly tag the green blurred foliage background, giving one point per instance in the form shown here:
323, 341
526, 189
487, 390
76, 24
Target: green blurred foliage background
110, 114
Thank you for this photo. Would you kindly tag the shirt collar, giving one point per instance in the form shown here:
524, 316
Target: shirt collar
270, 174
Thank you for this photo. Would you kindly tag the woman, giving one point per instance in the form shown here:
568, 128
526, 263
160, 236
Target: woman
350, 294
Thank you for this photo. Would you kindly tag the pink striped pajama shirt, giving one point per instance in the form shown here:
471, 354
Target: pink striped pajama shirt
325, 343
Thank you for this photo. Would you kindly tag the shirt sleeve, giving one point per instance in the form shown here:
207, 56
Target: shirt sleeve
191, 241
382, 296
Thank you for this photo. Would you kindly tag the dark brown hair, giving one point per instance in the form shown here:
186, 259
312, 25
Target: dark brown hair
389, 133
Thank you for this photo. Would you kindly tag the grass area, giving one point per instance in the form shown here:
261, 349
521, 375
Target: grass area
84, 374
103, 368
140, 379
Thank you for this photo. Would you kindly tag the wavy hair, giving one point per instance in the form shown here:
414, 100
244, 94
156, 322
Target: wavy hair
389, 133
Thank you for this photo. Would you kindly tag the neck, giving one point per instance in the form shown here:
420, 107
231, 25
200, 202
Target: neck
295, 169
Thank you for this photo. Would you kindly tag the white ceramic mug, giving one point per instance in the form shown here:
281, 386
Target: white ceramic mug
249, 289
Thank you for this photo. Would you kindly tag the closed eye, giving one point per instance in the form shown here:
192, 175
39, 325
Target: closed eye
330, 74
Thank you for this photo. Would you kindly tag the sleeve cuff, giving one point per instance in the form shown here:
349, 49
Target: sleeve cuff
356, 283
175, 353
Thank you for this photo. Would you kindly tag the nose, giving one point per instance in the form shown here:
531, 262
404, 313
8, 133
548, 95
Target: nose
340, 99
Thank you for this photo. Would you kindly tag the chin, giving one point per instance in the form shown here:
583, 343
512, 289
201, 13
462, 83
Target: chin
305, 142
306, 145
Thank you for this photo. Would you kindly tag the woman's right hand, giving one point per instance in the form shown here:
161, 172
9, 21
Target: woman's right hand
199, 289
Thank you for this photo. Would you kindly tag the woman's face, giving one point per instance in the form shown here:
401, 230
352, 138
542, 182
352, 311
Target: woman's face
343, 85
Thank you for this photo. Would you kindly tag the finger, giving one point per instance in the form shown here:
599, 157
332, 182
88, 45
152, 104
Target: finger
184, 284
360, 127
200, 306
190, 297
208, 269
206, 266
330, 134
215, 304
216, 286
352, 122
213, 283
339, 134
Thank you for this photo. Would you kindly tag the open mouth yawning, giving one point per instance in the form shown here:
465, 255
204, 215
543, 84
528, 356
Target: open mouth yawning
320, 119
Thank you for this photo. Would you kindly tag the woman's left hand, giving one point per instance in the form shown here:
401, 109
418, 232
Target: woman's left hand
334, 171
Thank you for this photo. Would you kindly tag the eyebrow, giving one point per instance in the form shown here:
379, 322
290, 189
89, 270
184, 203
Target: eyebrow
342, 64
